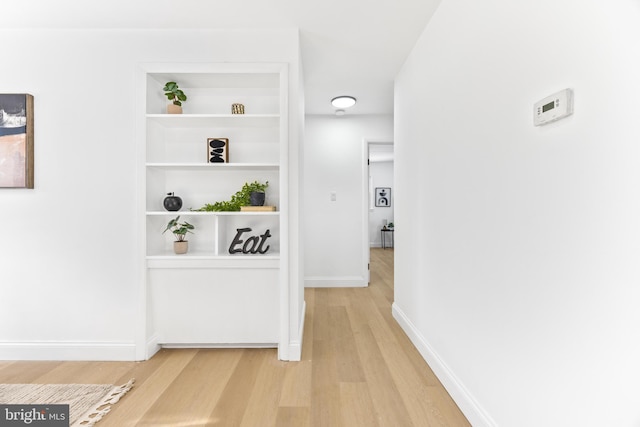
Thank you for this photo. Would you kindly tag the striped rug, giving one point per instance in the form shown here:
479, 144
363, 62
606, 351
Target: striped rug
88, 403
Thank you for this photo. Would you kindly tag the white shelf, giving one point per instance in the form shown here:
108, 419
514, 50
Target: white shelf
235, 77
215, 166
191, 255
207, 120
179, 117
198, 213
207, 260
209, 296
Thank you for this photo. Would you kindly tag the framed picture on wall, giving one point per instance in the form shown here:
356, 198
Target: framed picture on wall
217, 150
16, 140
383, 197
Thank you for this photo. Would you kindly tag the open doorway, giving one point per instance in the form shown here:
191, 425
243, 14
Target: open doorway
379, 210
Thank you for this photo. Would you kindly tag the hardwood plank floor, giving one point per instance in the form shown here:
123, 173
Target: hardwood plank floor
358, 368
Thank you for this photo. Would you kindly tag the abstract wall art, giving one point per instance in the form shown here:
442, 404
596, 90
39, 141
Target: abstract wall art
383, 197
16, 141
217, 150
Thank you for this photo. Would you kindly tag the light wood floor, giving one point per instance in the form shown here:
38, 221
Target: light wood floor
357, 369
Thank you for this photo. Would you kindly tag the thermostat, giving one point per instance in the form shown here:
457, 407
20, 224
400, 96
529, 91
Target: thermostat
553, 107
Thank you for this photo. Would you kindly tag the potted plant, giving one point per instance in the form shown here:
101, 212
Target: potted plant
256, 192
176, 96
241, 198
180, 230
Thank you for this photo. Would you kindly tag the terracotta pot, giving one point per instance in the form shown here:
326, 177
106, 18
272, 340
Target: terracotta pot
181, 247
174, 109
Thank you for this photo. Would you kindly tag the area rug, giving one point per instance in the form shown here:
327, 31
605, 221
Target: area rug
88, 403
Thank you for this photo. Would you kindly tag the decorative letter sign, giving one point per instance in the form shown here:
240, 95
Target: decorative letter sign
252, 244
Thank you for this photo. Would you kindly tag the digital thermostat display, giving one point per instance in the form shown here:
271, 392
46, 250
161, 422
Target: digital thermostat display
553, 107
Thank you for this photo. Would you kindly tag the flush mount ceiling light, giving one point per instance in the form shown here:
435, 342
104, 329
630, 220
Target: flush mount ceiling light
343, 101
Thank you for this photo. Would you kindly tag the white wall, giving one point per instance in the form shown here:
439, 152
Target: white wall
333, 230
382, 176
69, 267
519, 280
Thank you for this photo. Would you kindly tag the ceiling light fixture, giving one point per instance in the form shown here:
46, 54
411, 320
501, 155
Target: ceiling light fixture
343, 101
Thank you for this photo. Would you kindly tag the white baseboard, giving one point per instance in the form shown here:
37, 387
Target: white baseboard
292, 350
463, 398
221, 345
295, 347
335, 282
67, 350
152, 347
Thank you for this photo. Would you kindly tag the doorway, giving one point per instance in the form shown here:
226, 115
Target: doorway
378, 208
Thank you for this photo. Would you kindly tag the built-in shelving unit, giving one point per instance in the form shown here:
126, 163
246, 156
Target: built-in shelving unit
209, 296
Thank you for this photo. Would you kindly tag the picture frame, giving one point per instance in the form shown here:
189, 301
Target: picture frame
383, 197
16, 141
217, 150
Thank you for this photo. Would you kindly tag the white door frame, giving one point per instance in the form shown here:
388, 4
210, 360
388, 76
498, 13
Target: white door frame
366, 143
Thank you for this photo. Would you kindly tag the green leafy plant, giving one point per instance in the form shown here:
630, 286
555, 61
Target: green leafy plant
174, 94
241, 198
178, 229
255, 186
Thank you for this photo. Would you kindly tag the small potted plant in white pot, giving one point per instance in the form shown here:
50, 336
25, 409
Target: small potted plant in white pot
179, 230
176, 96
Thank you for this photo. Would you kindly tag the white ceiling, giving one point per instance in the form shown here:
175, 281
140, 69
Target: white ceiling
352, 47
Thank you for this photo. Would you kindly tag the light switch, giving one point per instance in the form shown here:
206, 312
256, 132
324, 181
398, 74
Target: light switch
333, 196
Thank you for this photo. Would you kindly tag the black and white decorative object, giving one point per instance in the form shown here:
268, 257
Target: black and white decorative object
237, 109
172, 203
383, 197
217, 150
